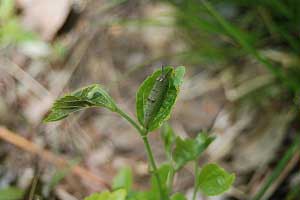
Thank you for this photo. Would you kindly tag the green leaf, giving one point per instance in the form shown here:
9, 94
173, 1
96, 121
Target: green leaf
190, 149
214, 180
11, 193
6, 9
116, 195
90, 96
123, 179
154, 194
142, 195
178, 77
178, 196
168, 137
12, 32
164, 105
163, 172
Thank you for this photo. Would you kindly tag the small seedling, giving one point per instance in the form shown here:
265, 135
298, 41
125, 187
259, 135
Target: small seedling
155, 99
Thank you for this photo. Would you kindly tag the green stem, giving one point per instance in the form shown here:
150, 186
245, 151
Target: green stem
170, 180
143, 132
153, 165
196, 171
131, 121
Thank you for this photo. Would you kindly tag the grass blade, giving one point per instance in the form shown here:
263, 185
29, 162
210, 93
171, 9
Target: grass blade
240, 38
294, 148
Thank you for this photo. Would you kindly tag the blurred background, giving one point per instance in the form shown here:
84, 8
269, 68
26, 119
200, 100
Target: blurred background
242, 83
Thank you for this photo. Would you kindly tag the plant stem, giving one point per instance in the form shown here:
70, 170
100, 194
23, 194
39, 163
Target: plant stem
153, 165
170, 180
196, 171
131, 121
143, 133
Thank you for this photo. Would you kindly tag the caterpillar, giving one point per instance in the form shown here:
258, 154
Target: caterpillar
156, 96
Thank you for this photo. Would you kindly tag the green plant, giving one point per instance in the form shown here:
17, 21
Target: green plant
231, 34
11, 31
11, 193
154, 102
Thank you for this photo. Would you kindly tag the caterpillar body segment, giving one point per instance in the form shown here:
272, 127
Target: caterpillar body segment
156, 96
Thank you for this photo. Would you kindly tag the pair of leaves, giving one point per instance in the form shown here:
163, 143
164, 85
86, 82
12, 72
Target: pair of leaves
95, 96
90, 96
166, 104
214, 180
115, 195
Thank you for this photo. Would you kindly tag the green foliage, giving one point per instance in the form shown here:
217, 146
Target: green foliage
230, 31
178, 196
11, 193
90, 96
294, 192
162, 88
151, 118
234, 32
11, 31
190, 149
59, 50
123, 179
168, 138
163, 172
6, 9
213, 180
178, 77
116, 195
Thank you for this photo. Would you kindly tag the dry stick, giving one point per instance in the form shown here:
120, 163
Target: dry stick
17, 72
28, 146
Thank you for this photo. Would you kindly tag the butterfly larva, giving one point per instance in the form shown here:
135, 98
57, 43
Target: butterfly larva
157, 94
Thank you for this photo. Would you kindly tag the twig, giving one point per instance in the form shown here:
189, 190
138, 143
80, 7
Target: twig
30, 147
34, 185
17, 72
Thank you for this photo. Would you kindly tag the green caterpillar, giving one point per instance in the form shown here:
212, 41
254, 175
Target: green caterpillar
156, 96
